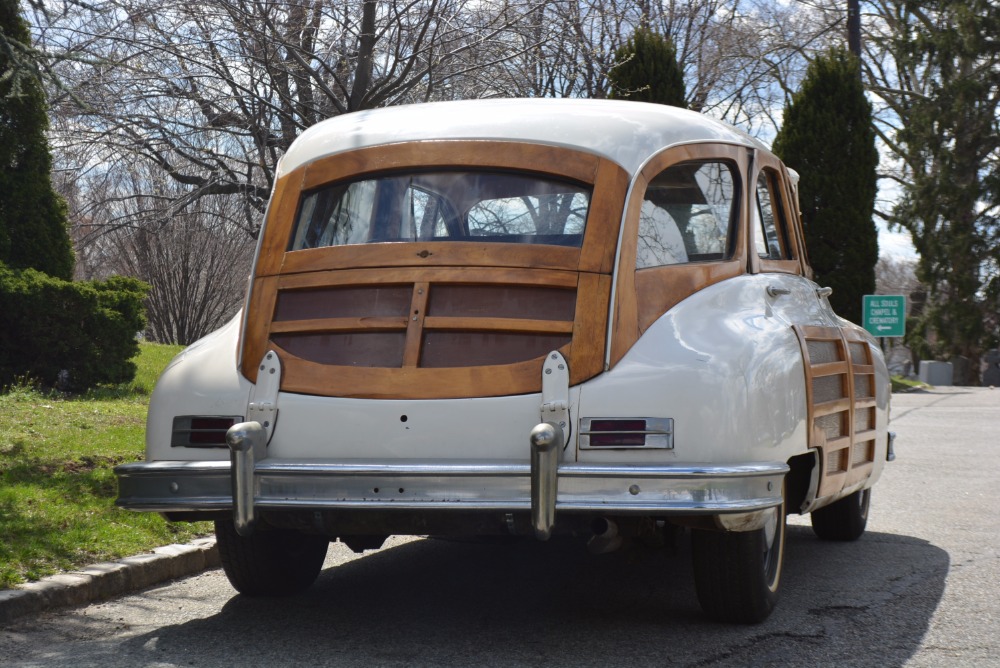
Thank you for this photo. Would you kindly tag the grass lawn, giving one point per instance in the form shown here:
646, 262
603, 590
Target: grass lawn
901, 384
57, 488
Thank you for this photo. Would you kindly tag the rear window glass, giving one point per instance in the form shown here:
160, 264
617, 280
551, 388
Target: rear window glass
443, 206
688, 215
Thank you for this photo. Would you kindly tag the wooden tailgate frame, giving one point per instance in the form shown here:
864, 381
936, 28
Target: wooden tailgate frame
423, 265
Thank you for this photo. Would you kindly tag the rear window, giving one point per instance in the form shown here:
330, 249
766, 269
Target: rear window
443, 206
688, 215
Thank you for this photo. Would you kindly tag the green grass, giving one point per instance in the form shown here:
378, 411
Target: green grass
57, 488
900, 384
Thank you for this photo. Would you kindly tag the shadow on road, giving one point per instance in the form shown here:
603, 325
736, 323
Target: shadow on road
433, 602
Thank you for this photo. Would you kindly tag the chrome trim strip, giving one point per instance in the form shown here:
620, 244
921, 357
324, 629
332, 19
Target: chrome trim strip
459, 485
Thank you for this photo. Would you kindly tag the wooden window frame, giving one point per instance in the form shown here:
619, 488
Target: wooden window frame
789, 223
643, 295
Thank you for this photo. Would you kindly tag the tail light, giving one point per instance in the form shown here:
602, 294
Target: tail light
599, 433
202, 431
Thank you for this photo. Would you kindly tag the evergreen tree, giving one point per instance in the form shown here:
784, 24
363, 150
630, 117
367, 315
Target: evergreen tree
828, 137
647, 71
33, 222
950, 143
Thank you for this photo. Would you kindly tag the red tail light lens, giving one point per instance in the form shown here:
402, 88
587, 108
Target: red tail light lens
619, 432
201, 431
626, 433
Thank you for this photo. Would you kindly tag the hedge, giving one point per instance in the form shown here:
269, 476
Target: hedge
68, 335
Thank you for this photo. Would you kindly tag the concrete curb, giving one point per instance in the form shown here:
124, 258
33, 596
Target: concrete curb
103, 581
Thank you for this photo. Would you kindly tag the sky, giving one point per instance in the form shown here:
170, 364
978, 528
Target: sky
895, 244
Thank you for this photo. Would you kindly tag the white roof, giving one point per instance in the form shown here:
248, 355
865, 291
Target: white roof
626, 132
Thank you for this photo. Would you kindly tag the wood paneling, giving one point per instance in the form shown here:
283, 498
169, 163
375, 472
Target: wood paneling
431, 254
488, 329
847, 457
564, 162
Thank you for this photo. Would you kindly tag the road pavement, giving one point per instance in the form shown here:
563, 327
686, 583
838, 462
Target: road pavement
920, 588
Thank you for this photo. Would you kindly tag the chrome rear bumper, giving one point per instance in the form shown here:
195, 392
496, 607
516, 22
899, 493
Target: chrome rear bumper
495, 486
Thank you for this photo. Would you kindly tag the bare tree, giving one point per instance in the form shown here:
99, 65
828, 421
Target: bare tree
175, 109
212, 93
197, 265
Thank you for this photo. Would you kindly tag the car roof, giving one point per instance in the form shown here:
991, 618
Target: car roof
628, 133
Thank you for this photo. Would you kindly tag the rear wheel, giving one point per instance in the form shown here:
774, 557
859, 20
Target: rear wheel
736, 573
270, 563
844, 520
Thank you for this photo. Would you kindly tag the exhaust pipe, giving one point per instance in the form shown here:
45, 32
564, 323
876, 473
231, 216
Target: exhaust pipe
605, 538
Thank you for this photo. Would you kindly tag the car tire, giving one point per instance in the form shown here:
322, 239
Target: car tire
843, 520
736, 573
270, 563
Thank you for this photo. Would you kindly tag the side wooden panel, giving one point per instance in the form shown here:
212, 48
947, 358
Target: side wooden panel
590, 327
658, 289
262, 298
642, 296
840, 399
280, 218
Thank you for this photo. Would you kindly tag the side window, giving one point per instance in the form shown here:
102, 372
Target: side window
687, 215
770, 237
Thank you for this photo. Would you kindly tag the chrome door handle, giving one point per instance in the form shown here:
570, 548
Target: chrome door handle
777, 292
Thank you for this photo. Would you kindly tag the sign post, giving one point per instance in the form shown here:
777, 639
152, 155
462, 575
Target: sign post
884, 315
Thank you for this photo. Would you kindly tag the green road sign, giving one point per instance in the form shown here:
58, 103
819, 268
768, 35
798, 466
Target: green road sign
884, 315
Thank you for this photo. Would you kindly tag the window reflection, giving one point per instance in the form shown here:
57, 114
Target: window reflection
443, 206
687, 215
767, 237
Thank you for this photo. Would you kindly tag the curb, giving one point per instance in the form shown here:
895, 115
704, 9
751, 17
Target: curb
105, 580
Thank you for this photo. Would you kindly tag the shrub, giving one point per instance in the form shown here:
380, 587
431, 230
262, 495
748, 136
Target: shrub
69, 335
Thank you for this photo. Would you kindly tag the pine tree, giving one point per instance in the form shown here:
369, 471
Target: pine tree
828, 137
33, 221
951, 148
647, 71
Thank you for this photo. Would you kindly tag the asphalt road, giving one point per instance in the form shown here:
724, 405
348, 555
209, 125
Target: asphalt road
920, 588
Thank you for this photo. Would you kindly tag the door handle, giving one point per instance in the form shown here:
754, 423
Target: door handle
777, 292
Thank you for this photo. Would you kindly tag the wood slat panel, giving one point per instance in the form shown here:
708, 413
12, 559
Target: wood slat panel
818, 333
262, 298
858, 444
338, 325
590, 327
830, 369
865, 436
461, 275
431, 254
831, 407
279, 221
481, 381
415, 323
604, 219
499, 325
839, 443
